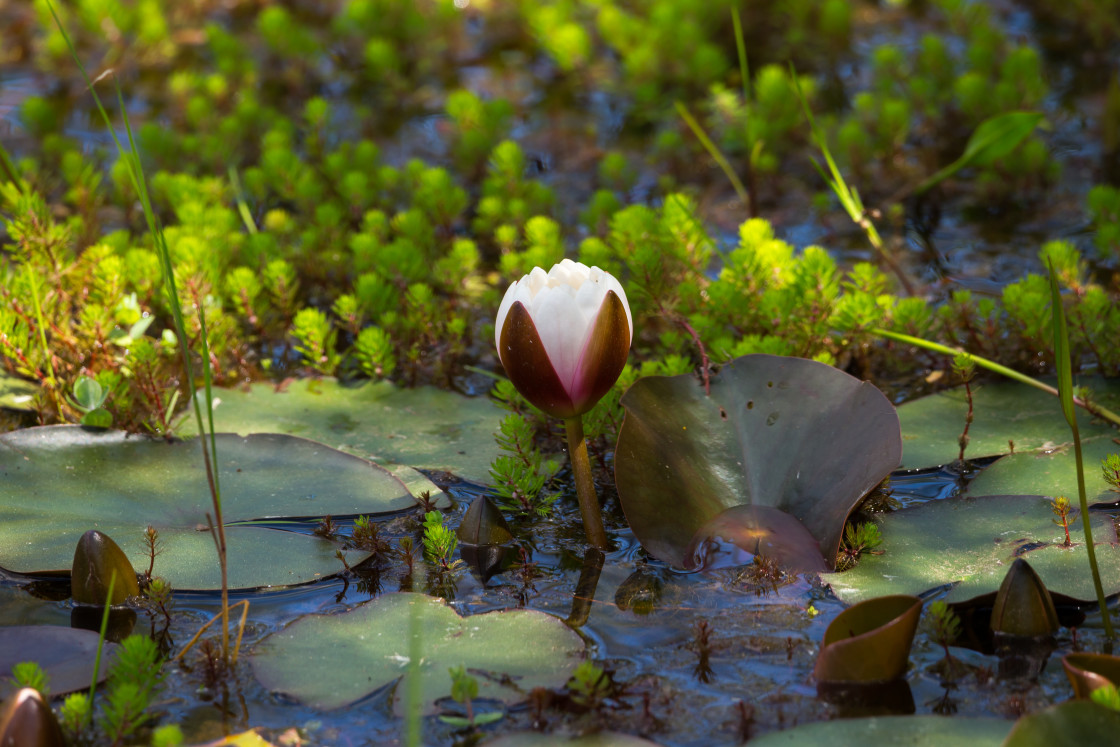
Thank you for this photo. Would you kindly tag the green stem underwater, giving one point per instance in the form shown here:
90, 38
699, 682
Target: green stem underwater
585, 485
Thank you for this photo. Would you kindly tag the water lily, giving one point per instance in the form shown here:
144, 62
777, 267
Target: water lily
563, 337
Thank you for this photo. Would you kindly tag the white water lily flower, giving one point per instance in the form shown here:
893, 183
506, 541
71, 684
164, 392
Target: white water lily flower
563, 336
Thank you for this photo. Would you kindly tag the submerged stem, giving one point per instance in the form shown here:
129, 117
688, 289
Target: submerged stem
585, 486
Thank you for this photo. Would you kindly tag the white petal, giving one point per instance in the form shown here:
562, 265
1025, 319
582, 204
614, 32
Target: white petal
562, 323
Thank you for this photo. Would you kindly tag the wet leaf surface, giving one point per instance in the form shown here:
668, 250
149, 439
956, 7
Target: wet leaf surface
17, 393
60, 481
426, 428
1003, 411
1077, 722
1052, 474
329, 661
785, 433
971, 542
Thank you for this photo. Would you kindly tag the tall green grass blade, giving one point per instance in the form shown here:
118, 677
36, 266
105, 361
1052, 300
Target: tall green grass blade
101, 642
714, 152
1061, 349
936, 347
741, 49
131, 158
1065, 396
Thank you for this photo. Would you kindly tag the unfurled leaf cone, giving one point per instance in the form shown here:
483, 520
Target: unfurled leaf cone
563, 336
1023, 606
870, 641
96, 559
1088, 672
483, 524
121, 622
26, 721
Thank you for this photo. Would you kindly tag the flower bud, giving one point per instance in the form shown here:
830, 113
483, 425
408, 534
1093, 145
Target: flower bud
563, 336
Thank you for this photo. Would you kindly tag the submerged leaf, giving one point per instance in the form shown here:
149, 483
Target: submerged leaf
785, 433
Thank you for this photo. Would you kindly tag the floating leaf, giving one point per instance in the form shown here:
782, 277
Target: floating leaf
329, 661
890, 731
869, 641
971, 542
1004, 411
65, 654
787, 433
424, 427
1074, 722
1051, 474
59, 481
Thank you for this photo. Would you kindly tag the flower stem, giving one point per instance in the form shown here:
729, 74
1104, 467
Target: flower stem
585, 486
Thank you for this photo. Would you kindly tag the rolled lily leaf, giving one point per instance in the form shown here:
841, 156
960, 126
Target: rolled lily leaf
785, 433
97, 559
483, 524
869, 642
27, 721
1023, 606
1073, 722
1088, 672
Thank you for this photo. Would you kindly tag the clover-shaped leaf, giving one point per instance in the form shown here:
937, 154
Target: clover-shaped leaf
329, 661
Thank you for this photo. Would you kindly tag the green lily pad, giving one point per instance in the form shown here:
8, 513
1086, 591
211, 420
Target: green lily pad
888, 731
786, 433
1002, 411
1053, 473
57, 482
971, 542
65, 654
424, 427
330, 661
17, 393
1073, 722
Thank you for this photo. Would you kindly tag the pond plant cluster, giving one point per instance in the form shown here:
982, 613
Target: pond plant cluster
831, 325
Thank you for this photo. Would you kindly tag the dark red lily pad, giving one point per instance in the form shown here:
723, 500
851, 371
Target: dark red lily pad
65, 654
786, 433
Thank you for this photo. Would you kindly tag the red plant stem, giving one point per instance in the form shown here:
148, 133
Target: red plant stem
585, 485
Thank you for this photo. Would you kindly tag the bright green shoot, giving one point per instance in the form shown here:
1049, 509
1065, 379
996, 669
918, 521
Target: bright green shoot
993, 139
1065, 396
848, 196
131, 157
